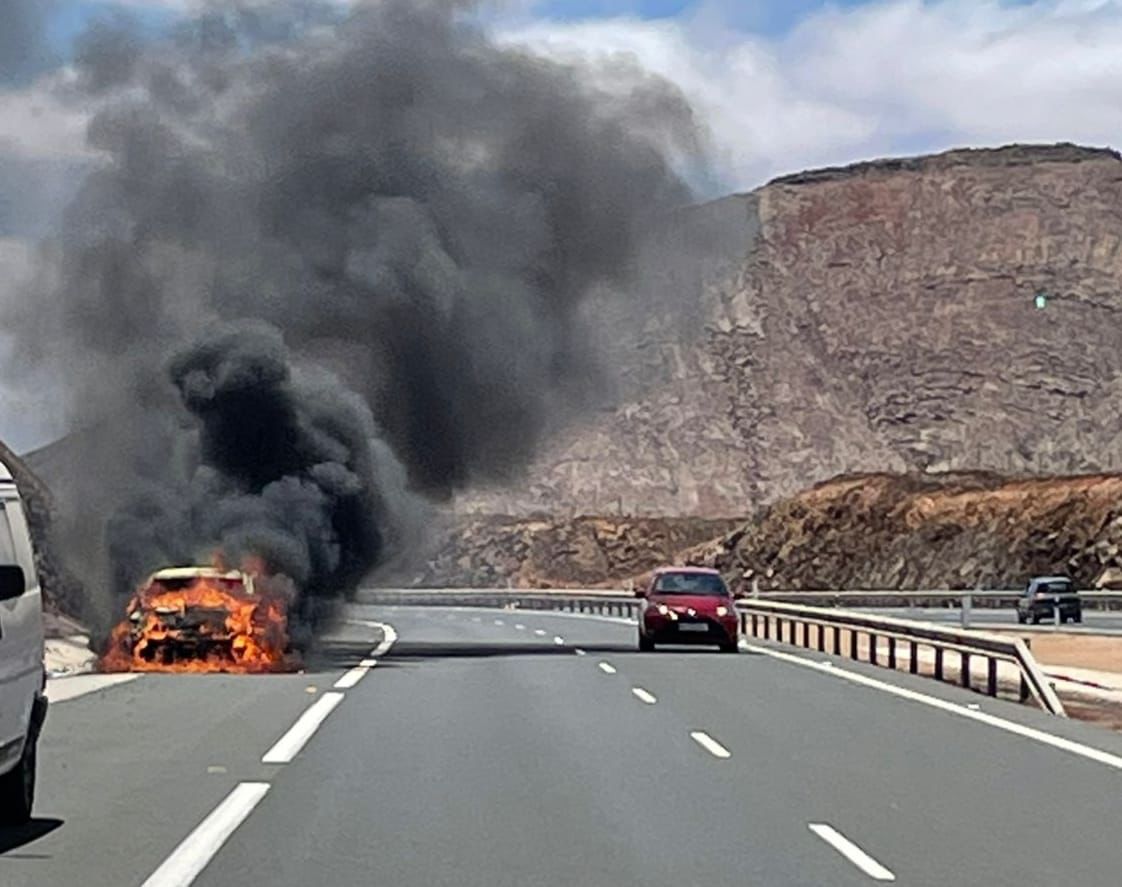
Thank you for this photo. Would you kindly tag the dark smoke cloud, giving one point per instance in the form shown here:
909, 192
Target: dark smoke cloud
411, 215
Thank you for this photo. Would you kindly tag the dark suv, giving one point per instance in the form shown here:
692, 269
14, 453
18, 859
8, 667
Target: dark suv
1043, 595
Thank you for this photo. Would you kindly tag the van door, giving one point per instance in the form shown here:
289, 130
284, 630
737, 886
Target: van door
21, 633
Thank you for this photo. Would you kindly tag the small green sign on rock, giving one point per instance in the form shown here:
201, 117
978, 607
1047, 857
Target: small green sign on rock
1041, 300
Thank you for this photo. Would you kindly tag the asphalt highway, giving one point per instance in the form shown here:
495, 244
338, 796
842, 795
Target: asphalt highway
1093, 620
503, 748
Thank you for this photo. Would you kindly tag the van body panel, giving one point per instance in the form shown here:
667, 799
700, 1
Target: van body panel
21, 633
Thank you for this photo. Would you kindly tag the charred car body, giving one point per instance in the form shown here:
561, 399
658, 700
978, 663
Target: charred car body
200, 619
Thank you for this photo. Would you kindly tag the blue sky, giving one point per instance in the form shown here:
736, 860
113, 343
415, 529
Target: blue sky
764, 16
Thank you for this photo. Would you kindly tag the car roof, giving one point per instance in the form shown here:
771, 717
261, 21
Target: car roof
195, 572
1050, 579
5, 474
705, 571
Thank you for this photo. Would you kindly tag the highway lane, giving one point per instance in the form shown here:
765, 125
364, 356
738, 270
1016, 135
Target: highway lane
490, 758
125, 772
478, 752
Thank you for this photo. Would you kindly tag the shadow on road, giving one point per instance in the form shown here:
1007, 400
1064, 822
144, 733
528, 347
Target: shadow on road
21, 836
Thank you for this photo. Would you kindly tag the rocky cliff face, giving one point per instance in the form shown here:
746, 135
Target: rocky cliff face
955, 531
881, 317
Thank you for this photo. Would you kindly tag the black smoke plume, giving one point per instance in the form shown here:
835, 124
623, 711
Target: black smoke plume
328, 259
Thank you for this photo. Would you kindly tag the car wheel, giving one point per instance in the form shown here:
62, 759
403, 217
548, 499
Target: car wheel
1020, 617
17, 789
1035, 618
646, 645
1078, 617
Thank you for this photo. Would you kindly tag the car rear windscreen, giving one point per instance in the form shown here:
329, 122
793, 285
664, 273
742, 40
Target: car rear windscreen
690, 583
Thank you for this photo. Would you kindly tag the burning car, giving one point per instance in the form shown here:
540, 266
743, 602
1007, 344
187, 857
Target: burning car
201, 619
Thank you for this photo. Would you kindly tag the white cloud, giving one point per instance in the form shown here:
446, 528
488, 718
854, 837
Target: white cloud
901, 76
34, 124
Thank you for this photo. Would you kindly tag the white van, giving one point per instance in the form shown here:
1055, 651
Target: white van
23, 705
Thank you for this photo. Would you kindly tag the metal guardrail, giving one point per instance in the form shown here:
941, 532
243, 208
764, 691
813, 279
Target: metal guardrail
772, 620
784, 622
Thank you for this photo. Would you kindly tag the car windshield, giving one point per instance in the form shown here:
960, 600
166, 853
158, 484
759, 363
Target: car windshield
1054, 588
690, 583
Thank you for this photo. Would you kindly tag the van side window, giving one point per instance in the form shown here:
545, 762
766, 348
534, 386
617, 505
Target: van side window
7, 546
16, 538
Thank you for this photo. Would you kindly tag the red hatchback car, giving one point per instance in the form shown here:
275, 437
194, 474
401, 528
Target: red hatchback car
688, 605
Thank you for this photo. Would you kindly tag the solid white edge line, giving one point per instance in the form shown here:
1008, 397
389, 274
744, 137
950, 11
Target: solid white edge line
954, 708
389, 638
710, 744
851, 851
352, 677
607, 668
643, 696
198, 848
289, 745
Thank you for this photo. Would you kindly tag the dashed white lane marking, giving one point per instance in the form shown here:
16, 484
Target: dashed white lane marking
607, 668
852, 852
499, 622
289, 745
710, 744
643, 696
579, 651
520, 626
199, 847
540, 632
353, 676
476, 619
1076, 748
1068, 745
558, 640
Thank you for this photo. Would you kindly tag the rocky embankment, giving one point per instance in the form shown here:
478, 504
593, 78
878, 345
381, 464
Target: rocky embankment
547, 553
62, 591
956, 531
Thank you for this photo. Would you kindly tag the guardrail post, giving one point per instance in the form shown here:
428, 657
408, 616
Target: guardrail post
991, 676
872, 648
965, 612
913, 657
767, 627
1056, 611
821, 638
806, 635
938, 663
1024, 691
964, 659
892, 653
853, 643
837, 640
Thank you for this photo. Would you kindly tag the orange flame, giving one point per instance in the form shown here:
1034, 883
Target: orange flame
211, 625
